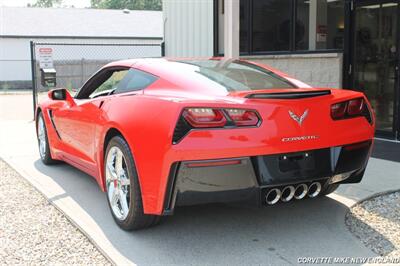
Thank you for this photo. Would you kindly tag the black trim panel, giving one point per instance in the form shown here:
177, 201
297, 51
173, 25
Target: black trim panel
170, 193
288, 95
246, 179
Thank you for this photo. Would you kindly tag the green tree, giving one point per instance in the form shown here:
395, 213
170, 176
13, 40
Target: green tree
47, 3
128, 4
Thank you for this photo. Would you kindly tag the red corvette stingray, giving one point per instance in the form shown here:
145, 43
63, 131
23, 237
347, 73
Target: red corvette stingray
158, 133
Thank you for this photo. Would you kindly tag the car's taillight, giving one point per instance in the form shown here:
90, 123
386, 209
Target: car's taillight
351, 108
338, 110
355, 107
243, 117
204, 117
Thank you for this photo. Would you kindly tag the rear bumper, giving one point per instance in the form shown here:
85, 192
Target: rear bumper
246, 179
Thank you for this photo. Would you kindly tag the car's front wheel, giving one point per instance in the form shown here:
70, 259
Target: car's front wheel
43, 141
123, 188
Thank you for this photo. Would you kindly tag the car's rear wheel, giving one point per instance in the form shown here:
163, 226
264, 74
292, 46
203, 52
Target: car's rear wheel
123, 188
43, 141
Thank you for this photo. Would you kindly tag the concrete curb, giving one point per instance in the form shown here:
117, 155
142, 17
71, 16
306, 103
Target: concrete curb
348, 215
378, 194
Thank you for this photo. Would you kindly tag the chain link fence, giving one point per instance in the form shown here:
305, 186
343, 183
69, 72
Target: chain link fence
74, 63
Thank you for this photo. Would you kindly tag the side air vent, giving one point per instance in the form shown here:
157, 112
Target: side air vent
53, 124
288, 95
181, 129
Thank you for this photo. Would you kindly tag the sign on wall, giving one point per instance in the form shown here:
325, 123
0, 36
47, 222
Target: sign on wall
45, 57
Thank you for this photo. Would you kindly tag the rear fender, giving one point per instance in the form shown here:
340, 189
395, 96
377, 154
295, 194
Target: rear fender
101, 151
147, 124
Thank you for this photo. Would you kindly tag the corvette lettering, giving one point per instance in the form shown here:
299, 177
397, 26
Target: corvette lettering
300, 138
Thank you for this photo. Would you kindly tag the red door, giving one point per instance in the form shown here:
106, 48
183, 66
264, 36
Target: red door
76, 125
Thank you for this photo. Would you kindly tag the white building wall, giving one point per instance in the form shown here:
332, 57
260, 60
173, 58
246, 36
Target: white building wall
15, 56
14, 59
188, 28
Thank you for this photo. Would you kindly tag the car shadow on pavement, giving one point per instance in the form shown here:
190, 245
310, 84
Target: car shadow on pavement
219, 233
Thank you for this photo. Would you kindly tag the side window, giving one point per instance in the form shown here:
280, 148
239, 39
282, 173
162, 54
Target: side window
110, 84
135, 80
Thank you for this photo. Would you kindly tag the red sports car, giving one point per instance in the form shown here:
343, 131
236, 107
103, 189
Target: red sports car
162, 133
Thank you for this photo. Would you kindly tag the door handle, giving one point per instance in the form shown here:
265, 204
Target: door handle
101, 104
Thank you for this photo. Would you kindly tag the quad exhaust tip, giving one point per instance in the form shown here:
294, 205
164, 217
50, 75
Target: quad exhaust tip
287, 193
300, 191
273, 196
314, 189
290, 192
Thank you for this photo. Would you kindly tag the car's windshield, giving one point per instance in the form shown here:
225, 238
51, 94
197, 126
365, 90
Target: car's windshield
237, 75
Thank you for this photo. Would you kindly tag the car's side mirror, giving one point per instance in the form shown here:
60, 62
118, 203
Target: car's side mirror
58, 94
61, 95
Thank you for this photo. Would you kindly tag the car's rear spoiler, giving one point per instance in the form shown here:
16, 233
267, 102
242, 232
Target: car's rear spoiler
288, 95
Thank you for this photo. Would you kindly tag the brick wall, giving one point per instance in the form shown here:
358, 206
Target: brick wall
317, 70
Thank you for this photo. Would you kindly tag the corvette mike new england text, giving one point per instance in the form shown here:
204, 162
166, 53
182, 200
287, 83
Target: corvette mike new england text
348, 260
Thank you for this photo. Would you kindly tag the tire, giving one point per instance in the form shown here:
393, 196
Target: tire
43, 141
329, 189
130, 197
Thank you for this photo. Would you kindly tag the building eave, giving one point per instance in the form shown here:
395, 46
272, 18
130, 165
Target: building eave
77, 37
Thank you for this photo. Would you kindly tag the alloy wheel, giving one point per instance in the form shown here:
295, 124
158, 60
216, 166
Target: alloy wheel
42, 137
118, 183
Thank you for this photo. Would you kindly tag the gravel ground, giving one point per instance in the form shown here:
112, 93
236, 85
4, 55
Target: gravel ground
34, 232
376, 222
